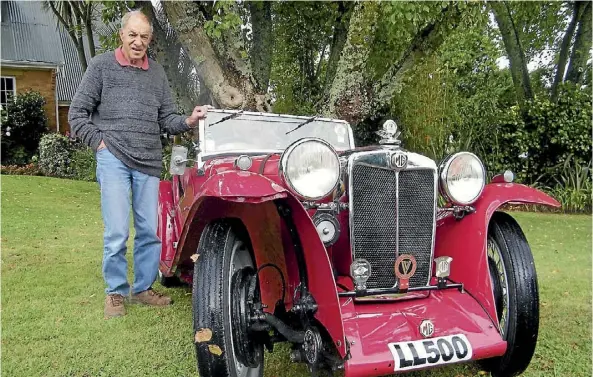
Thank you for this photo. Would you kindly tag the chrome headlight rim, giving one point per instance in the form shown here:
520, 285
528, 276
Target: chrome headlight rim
283, 168
444, 187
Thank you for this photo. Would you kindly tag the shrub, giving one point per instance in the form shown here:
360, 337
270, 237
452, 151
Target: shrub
573, 187
84, 164
54, 155
23, 123
536, 144
29, 169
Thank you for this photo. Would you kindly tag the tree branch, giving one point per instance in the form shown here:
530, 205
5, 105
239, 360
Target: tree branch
582, 46
69, 29
564, 48
515, 53
263, 42
426, 39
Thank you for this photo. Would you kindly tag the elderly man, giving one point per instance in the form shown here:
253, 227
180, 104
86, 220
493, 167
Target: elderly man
119, 110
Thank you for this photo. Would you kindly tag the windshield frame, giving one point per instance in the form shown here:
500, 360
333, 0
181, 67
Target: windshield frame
208, 155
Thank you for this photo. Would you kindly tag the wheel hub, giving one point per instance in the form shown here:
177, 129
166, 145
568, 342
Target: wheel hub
246, 351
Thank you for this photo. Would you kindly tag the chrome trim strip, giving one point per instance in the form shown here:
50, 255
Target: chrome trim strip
396, 221
380, 159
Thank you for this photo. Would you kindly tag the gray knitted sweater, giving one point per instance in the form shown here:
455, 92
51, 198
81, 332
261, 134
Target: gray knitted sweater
128, 108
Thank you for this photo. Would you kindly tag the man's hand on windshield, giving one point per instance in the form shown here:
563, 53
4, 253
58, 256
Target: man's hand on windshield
198, 113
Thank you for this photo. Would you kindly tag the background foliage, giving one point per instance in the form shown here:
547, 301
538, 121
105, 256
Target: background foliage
510, 81
23, 123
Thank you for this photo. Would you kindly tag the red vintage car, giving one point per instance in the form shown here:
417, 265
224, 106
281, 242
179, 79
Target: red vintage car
368, 261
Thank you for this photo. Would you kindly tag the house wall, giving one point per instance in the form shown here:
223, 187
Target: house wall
63, 116
41, 80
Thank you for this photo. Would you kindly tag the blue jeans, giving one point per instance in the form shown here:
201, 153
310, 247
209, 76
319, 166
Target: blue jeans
116, 180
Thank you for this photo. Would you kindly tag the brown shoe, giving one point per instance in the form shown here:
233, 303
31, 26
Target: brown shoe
150, 297
114, 306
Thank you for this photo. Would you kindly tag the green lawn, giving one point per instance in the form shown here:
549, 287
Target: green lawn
52, 295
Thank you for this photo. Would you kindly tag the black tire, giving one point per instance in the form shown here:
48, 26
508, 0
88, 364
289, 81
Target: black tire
514, 280
212, 300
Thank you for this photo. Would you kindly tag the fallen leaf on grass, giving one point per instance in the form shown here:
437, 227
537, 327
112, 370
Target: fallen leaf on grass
214, 349
203, 335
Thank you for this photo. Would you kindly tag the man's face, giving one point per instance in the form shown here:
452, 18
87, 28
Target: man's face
135, 37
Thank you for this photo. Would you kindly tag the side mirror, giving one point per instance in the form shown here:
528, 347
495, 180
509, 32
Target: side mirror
178, 160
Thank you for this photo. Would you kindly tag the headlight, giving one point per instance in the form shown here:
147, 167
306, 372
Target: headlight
462, 178
311, 168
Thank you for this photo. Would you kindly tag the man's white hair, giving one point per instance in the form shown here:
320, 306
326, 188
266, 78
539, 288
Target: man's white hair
127, 16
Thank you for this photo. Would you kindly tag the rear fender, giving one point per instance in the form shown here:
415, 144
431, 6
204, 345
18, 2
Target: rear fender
250, 198
465, 240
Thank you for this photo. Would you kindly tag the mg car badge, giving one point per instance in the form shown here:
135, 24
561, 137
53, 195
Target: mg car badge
443, 269
405, 268
443, 266
399, 160
426, 328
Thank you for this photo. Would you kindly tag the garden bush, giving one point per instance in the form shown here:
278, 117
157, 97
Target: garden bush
63, 157
54, 155
83, 163
29, 169
23, 123
537, 144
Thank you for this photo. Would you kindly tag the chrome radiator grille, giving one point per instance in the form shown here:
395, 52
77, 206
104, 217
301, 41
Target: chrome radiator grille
392, 214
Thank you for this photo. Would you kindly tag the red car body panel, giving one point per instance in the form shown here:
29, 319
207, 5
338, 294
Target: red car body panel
465, 240
370, 327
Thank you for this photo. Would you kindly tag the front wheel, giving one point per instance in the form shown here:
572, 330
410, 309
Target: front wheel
514, 283
219, 298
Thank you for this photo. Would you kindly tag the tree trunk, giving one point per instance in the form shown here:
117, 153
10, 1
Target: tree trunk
167, 53
564, 49
354, 97
349, 95
263, 42
89, 30
341, 25
228, 77
581, 49
515, 53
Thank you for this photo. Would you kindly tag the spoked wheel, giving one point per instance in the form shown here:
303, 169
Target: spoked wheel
514, 284
221, 285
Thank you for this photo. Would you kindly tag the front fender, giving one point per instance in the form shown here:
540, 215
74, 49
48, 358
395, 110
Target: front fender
250, 197
214, 199
465, 240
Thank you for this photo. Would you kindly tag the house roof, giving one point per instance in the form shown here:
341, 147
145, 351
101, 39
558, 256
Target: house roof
29, 34
70, 74
32, 35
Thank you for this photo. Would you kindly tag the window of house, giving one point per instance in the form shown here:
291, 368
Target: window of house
7, 89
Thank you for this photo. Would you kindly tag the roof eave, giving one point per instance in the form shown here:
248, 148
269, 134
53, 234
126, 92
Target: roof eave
28, 64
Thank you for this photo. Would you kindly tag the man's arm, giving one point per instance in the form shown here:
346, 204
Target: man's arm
169, 120
85, 101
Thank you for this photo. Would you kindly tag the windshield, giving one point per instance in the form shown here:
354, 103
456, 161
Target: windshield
268, 132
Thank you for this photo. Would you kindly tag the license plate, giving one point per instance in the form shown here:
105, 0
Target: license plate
430, 352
